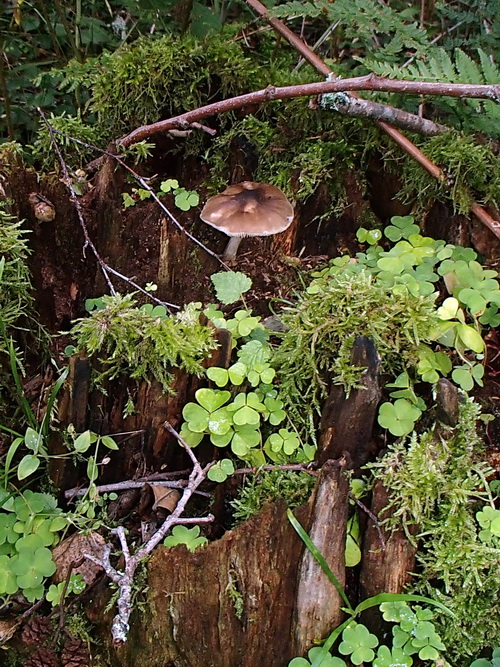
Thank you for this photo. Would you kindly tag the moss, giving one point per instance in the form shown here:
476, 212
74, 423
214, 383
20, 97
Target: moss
293, 487
316, 348
144, 343
436, 484
472, 171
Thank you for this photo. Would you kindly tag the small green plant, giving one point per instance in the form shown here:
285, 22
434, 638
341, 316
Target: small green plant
391, 296
76, 584
230, 285
190, 537
183, 199
438, 491
29, 525
489, 520
294, 487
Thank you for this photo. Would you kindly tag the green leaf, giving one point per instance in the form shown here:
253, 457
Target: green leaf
83, 442
449, 309
109, 442
220, 421
32, 439
27, 466
218, 375
169, 184
230, 285
246, 415
254, 352
470, 338
211, 399
187, 536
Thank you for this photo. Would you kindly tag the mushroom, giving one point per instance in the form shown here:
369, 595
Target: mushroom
247, 209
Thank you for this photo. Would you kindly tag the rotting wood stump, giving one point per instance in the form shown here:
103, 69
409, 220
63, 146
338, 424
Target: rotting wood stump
253, 597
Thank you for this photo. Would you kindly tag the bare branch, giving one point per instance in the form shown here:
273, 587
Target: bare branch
129, 484
369, 82
124, 580
400, 139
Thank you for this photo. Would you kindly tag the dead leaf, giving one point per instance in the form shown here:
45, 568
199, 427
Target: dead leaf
73, 549
8, 629
165, 497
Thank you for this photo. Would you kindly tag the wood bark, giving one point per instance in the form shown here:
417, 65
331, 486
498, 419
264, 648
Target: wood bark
227, 605
318, 604
384, 569
347, 421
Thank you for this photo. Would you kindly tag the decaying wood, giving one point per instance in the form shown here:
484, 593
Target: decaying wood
318, 605
72, 408
347, 421
384, 570
229, 604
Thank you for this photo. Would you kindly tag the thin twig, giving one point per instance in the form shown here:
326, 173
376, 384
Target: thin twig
372, 516
76, 492
76, 202
141, 180
124, 579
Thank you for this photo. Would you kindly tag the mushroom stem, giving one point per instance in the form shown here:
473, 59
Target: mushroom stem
231, 248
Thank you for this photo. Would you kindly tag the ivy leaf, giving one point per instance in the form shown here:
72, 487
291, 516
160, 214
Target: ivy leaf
230, 285
470, 338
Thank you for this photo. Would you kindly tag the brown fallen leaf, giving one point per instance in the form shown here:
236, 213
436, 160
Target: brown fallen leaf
72, 550
165, 497
8, 628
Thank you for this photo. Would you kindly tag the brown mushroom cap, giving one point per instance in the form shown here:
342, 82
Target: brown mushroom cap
249, 209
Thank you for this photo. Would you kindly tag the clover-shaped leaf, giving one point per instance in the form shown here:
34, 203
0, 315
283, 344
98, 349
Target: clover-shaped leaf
491, 317
190, 537
466, 374
230, 285
400, 227
192, 438
221, 470
8, 583
391, 658
449, 309
211, 399
186, 199
358, 642
396, 612
398, 417
169, 184
245, 438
